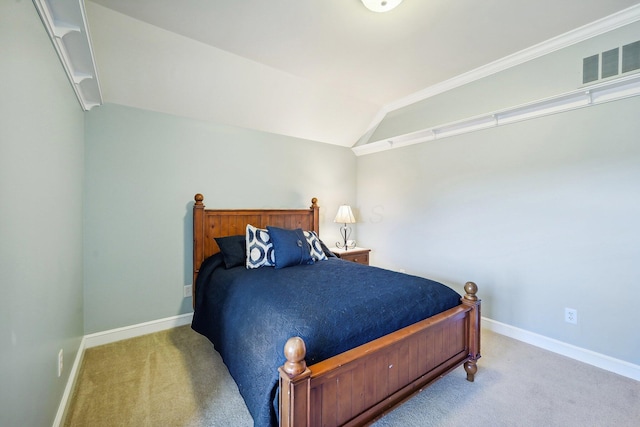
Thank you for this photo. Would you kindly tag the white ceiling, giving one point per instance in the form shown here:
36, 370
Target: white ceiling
314, 69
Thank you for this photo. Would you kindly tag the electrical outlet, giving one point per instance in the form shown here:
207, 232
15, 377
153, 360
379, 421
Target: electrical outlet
60, 362
187, 291
571, 315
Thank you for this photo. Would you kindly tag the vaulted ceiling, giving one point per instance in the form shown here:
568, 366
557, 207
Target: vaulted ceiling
323, 70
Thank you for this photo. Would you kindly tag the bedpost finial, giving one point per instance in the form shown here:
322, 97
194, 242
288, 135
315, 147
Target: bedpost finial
295, 351
198, 198
314, 202
471, 289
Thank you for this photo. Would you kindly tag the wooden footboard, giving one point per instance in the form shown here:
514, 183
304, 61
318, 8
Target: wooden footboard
356, 387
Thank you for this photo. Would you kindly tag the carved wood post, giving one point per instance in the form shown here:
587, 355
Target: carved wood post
198, 241
294, 386
473, 329
316, 215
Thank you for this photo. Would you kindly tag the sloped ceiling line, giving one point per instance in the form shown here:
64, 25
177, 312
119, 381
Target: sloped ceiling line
612, 90
602, 26
66, 20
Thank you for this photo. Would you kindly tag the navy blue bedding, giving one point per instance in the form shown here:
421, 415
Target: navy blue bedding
334, 305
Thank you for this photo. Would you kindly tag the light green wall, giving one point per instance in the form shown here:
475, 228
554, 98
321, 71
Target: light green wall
142, 171
41, 173
542, 214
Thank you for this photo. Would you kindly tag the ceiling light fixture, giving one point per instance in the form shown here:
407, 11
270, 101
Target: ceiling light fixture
381, 5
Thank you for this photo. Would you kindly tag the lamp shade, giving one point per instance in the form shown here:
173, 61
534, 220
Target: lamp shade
381, 5
344, 215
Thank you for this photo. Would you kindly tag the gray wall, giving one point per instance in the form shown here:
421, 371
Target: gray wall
142, 171
41, 173
542, 214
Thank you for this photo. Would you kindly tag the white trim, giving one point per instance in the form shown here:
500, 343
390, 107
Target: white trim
107, 337
587, 356
71, 383
599, 360
611, 90
596, 28
83, 80
126, 332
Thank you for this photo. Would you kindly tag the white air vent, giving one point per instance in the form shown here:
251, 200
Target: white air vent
610, 63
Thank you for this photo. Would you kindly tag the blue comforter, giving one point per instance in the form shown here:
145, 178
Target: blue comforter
334, 305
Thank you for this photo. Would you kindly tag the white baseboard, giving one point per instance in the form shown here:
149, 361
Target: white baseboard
106, 337
71, 383
602, 361
119, 334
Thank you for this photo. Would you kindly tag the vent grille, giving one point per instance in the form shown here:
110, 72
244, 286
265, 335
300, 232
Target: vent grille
610, 60
631, 57
610, 63
590, 67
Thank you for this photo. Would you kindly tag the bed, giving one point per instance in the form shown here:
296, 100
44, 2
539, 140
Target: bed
302, 340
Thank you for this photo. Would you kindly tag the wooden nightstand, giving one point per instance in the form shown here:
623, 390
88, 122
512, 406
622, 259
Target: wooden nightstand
359, 255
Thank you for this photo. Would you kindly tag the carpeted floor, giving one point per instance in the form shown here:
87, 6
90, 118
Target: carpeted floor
169, 378
176, 378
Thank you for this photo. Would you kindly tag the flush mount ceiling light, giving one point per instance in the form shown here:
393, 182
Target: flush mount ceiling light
381, 5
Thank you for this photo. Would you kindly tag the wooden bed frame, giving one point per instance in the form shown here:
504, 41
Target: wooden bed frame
359, 385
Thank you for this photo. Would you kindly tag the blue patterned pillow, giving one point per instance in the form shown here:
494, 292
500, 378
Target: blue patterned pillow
315, 246
290, 246
260, 251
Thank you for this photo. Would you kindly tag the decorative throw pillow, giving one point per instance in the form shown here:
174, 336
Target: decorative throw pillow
290, 246
260, 251
315, 246
327, 251
233, 250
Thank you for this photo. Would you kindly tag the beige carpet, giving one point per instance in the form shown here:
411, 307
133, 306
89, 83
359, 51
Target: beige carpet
170, 378
176, 378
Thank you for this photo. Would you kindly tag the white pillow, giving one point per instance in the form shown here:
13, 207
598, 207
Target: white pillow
316, 248
260, 251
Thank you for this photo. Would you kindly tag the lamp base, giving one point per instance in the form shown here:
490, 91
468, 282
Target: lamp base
350, 244
345, 231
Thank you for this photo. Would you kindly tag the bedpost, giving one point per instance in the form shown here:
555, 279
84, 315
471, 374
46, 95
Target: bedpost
295, 379
198, 241
316, 215
473, 329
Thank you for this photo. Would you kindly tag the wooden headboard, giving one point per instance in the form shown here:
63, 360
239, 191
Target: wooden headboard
210, 223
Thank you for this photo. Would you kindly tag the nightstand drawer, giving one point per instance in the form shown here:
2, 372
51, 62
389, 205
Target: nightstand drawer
359, 255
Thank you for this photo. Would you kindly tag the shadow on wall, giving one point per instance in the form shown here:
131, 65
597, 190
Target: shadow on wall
187, 303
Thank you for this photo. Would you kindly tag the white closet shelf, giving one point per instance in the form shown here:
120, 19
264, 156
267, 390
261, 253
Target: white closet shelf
66, 24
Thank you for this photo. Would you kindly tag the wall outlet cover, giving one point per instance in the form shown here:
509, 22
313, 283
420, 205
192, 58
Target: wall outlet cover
571, 315
60, 362
188, 291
